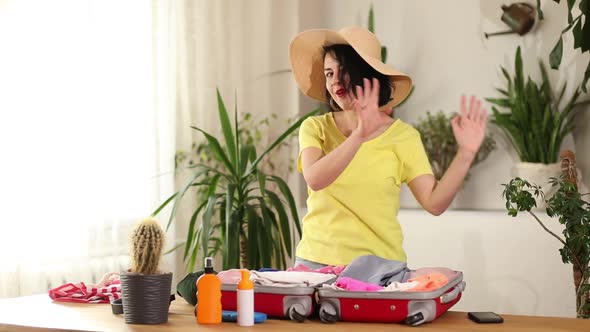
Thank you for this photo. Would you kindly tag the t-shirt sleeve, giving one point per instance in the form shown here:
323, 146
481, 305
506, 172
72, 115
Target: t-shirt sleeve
415, 161
309, 136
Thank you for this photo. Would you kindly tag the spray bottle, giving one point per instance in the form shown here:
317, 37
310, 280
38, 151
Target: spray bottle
245, 300
209, 296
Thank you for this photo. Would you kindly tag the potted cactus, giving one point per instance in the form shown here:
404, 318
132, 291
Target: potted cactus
146, 290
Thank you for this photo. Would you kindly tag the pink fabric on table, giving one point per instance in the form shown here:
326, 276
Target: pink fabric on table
356, 285
107, 290
326, 269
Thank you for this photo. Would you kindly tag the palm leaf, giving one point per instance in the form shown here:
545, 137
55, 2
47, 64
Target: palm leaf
284, 188
252, 221
206, 223
226, 127
284, 229
281, 138
217, 150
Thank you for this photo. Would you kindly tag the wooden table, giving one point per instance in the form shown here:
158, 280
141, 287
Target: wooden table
39, 313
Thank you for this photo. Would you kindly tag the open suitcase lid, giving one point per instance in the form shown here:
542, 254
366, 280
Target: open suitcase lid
455, 278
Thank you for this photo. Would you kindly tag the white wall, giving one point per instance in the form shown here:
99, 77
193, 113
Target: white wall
511, 265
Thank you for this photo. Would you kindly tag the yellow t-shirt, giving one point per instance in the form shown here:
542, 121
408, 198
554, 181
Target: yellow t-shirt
357, 214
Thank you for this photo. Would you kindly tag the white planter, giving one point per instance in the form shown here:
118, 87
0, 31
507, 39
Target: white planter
539, 174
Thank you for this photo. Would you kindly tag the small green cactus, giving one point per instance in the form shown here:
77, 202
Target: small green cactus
147, 241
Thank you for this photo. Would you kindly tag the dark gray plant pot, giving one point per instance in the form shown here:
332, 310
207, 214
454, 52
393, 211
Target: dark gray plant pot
146, 297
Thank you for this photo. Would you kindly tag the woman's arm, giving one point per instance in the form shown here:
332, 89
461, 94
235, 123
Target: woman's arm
469, 130
321, 170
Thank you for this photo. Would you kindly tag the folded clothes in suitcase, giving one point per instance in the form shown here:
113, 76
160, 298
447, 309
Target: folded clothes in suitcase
410, 307
295, 303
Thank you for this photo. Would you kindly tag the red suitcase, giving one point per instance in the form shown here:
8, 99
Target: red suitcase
412, 308
295, 303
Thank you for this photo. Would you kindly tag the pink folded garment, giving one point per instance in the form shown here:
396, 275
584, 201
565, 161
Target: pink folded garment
356, 285
326, 269
107, 290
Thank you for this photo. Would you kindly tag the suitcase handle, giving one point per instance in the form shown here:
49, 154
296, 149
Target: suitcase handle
452, 295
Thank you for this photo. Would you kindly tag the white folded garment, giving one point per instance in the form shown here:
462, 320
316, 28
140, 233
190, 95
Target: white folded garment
290, 278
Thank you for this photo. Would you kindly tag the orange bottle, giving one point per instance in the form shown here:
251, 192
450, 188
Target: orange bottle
209, 296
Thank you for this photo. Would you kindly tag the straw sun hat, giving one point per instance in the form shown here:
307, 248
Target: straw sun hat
307, 62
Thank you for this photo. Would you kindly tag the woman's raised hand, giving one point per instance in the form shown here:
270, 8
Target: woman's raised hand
366, 106
470, 125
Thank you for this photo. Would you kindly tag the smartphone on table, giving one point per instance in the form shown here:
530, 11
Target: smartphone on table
485, 317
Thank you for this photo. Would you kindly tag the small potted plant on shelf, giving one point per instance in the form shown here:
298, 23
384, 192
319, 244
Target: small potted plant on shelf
440, 143
145, 289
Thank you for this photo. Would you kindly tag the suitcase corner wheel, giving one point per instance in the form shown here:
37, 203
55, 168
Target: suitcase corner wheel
297, 313
328, 313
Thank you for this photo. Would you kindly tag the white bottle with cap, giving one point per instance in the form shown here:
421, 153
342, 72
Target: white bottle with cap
245, 300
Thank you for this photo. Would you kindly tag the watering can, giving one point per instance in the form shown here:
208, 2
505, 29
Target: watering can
520, 17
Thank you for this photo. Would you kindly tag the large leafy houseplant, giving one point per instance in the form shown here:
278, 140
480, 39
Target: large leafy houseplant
573, 212
440, 143
240, 215
536, 123
580, 31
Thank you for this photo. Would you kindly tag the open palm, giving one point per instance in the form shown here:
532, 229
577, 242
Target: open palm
470, 125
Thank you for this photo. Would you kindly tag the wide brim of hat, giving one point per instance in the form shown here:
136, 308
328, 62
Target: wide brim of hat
307, 65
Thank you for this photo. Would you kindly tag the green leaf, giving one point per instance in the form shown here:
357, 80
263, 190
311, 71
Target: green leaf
371, 20
518, 73
539, 11
163, 205
217, 150
245, 152
284, 228
502, 91
502, 102
252, 221
192, 239
267, 251
206, 222
383, 54
195, 253
174, 248
586, 78
570, 5
227, 130
232, 240
585, 43
284, 188
180, 195
556, 54
578, 37
281, 138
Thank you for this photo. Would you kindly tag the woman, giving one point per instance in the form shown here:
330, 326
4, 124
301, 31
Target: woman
355, 158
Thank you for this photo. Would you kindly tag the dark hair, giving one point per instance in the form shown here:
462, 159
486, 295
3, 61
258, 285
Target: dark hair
352, 64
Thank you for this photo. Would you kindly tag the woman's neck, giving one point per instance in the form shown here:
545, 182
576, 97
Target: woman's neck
346, 120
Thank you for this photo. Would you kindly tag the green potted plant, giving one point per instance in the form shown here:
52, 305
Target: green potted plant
536, 123
440, 143
581, 34
240, 215
145, 289
568, 206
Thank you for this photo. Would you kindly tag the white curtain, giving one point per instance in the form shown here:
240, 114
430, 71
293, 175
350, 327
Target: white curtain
85, 136
236, 46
